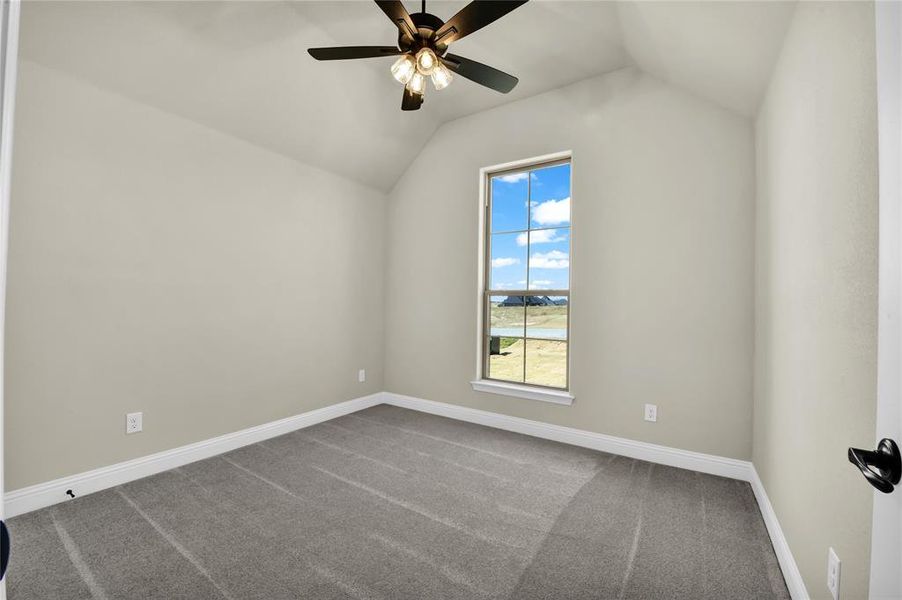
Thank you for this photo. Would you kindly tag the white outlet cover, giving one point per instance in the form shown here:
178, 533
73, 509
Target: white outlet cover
651, 412
134, 422
833, 572
361, 375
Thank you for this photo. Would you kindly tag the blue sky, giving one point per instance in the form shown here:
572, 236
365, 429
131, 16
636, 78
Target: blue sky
530, 224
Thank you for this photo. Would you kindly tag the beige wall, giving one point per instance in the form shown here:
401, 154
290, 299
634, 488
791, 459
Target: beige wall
663, 194
816, 288
157, 265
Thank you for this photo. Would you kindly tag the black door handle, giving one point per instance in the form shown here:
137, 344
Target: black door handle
4, 549
881, 467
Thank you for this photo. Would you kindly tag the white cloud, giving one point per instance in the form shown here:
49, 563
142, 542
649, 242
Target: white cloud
513, 177
542, 282
504, 262
549, 260
552, 212
541, 236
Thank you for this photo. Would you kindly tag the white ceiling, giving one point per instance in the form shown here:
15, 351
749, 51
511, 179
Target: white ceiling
242, 67
723, 51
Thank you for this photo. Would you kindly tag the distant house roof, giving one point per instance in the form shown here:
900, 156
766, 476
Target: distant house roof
528, 301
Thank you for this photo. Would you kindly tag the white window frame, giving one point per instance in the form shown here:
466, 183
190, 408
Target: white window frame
519, 390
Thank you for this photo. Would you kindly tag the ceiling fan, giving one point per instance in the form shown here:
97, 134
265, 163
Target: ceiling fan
423, 41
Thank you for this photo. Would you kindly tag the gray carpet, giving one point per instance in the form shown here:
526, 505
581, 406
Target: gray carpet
394, 504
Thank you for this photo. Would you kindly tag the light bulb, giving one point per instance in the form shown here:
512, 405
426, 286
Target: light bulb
441, 76
403, 69
426, 61
417, 84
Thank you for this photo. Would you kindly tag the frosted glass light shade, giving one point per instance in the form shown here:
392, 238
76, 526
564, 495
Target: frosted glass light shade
441, 76
426, 61
417, 84
403, 69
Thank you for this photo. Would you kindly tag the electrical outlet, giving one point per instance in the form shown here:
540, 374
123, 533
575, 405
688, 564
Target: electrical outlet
833, 568
361, 375
134, 422
651, 412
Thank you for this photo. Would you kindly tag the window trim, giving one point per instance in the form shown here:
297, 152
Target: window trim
521, 390
480, 382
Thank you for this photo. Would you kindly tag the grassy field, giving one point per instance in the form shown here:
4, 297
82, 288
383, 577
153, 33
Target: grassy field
546, 362
546, 317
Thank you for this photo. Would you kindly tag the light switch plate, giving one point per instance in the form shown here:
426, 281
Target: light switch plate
833, 571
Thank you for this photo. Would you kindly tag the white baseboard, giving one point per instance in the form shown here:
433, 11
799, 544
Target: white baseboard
781, 547
663, 455
52, 492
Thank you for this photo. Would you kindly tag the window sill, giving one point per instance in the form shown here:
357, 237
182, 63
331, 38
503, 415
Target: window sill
523, 391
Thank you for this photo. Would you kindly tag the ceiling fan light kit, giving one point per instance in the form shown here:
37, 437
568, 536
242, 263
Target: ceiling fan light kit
423, 41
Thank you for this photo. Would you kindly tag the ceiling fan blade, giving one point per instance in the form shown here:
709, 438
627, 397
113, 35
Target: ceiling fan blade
474, 16
399, 16
480, 73
411, 101
351, 52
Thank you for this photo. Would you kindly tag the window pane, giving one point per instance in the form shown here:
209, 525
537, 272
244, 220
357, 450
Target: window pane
508, 262
526, 336
546, 317
549, 259
549, 197
510, 202
507, 316
506, 359
546, 363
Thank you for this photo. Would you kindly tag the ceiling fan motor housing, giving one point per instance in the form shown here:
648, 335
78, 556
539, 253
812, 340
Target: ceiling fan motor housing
426, 24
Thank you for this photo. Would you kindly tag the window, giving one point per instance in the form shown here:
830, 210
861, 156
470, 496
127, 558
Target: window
526, 292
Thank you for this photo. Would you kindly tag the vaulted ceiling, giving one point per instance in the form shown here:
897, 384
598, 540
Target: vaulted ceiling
242, 67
